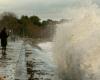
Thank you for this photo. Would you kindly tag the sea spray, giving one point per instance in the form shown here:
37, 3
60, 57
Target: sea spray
77, 44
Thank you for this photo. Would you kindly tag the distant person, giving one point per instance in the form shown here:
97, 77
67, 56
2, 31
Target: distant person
3, 37
13, 38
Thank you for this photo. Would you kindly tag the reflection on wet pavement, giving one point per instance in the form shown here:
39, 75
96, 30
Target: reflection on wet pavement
37, 67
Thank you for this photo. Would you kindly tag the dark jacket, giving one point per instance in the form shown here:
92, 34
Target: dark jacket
3, 36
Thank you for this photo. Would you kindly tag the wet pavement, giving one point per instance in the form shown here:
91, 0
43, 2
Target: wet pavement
26, 62
21, 69
8, 64
39, 64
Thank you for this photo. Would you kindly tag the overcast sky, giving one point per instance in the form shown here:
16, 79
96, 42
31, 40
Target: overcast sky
42, 8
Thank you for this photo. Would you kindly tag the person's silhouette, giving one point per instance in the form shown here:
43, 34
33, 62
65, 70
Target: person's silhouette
3, 36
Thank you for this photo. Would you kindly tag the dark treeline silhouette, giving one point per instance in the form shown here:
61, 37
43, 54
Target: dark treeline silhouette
26, 26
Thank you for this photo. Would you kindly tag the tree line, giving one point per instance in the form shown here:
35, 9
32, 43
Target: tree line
27, 26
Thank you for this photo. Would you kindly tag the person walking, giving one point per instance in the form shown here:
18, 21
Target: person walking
3, 37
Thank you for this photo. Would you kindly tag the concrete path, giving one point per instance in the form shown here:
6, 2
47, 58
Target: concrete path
25, 62
39, 64
21, 69
14, 63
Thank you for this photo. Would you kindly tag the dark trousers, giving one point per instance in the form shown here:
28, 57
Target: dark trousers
4, 52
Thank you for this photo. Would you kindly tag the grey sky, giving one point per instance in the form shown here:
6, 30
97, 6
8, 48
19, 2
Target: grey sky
42, 8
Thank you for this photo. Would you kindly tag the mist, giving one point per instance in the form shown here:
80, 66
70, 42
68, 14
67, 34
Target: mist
77, 43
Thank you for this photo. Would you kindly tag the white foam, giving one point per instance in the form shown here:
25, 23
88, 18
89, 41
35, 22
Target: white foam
77, 44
